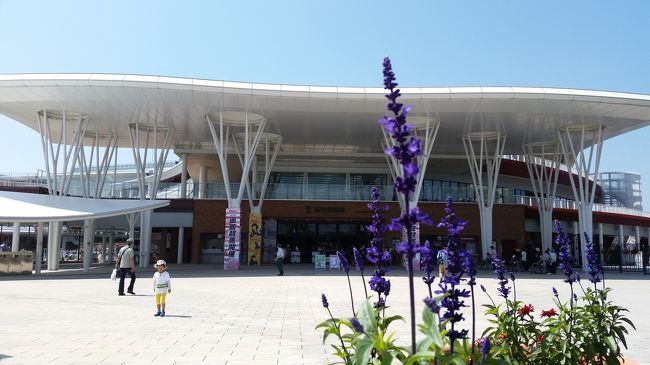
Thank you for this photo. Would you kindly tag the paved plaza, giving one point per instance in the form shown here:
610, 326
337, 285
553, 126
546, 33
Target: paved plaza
216, 317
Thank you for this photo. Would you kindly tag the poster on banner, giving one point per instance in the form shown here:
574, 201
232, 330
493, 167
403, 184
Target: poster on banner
231, 249
319, 262
334, 262
254, 238
270, 228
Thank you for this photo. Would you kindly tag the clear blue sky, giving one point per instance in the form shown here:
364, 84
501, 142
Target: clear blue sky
598, 45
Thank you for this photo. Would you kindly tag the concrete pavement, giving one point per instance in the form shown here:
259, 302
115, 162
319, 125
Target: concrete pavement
217, 317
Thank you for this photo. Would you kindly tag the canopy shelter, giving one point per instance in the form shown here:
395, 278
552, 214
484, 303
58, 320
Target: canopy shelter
318, 125
40, 208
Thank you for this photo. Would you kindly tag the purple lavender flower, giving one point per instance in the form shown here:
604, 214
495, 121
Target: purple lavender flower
457, 263
405, 148
376, 254
485, 349
485, 346
432, 305
429, 264
358, 259
595, 269
346, 268
555, 293
356, 325
324, 299
565, 258
344, 262
500, 273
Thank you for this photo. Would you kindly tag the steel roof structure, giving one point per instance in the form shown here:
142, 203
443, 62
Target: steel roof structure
316, 120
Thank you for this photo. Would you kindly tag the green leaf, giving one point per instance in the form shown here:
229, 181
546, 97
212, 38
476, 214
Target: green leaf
367, 317
430, 328
609, 340
387, 359
420, 355
363, 350
388, 320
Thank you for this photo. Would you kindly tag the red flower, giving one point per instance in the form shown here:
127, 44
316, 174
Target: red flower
549, 313
540, 338
526, 310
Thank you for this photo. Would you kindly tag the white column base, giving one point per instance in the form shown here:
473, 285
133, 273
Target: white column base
181, 236
15, 238
38, 257
145, 238
485, 214
88, 240
53, 245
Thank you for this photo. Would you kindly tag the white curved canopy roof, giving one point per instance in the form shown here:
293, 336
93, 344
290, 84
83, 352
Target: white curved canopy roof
316, 119
33, 208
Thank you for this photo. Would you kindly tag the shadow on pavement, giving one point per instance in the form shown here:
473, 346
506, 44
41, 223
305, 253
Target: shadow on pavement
176, 316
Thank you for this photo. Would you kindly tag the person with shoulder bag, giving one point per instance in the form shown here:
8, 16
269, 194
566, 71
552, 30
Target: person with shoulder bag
125, 263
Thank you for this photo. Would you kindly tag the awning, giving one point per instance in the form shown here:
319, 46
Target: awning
28, 208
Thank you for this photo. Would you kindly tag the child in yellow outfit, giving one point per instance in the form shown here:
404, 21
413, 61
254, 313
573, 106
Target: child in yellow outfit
162, 284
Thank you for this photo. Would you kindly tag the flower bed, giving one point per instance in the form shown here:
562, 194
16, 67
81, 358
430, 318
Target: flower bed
585, 328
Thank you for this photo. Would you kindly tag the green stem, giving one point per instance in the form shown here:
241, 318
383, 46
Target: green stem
338, 334
354, 312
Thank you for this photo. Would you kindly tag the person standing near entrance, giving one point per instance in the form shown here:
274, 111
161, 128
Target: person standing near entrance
443, 261
126, 264
279, 260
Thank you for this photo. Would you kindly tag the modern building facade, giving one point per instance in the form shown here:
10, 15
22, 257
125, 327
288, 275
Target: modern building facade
262, 164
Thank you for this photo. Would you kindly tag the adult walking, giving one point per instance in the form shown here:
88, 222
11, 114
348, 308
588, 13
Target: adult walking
279, 260
126, 263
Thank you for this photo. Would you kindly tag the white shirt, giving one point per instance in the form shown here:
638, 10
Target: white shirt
126, 253
280, 253
524, 256
162, 282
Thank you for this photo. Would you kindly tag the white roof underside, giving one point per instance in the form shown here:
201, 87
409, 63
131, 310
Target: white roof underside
26, 207
316, 119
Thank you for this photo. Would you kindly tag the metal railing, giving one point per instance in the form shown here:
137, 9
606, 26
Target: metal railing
283, 191
571, 204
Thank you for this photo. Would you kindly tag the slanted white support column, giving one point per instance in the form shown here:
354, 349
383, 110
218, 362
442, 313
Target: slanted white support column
131, 218
223, 127
95, 166
53, 245
15, 238
87, 244
181, 237
426, 129
158, 139
60, 132
582, 146
183, 176
38, 257
484, 151
249, 128
543, 163
272, 144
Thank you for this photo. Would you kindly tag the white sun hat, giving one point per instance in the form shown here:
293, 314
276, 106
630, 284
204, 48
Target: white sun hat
160, 262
